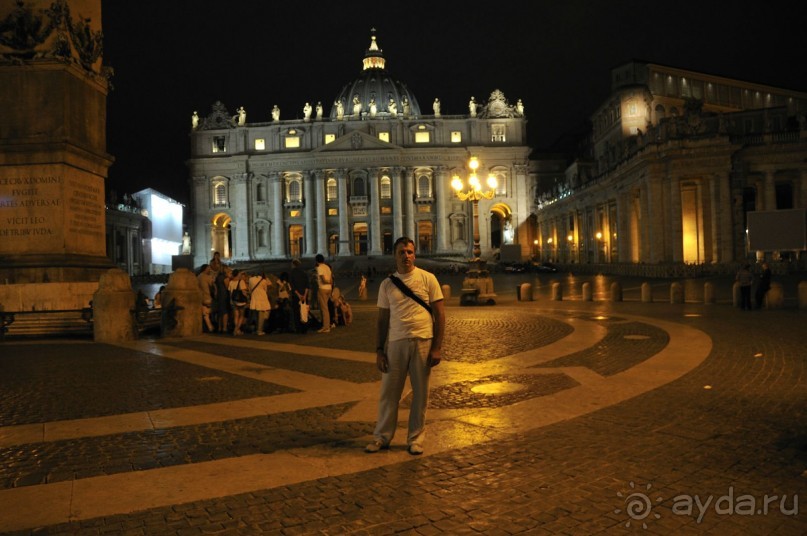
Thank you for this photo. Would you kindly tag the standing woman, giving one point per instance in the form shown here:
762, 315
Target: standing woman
239, 300
223, 305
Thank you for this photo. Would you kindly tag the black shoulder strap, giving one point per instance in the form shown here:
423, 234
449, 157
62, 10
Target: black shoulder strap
408, 291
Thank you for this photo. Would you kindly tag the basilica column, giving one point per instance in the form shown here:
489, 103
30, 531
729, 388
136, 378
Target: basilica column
202, 238
278, 226
622, 225
441, 176
322, 229
409, 203
240, 201
770, 192
345, 234
310, 209
397, 204
375, 214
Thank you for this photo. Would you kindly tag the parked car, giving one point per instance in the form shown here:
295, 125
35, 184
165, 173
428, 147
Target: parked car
544, 267
516, 268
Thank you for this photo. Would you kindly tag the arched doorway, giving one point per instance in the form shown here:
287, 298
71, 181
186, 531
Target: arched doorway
501, 226
220, 237
425, 237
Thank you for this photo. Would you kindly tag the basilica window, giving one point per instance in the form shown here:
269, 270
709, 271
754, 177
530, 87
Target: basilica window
383, 136
260, 193
219, 144
219, 194
358, 186
329, 138
386, 188
497, 133
501, 183
260, 144
294, 190
330, 189
423, 136
424, 187
456, 136
292, 142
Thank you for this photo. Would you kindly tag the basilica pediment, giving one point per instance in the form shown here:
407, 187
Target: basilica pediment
355, 141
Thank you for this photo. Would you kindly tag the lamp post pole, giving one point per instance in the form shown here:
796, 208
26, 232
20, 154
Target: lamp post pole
474, 194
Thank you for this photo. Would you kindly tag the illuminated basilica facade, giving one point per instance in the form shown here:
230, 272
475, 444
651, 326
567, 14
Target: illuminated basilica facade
349, 183
674, 162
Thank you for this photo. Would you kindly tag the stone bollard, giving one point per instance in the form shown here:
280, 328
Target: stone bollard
616, 292
709, 292
587, 295
647, 293
112, 306
557, 292
676, 293
775, 297
182, 305
525, 292
445, 288
803, 295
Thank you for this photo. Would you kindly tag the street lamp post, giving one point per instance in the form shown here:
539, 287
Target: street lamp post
473, 194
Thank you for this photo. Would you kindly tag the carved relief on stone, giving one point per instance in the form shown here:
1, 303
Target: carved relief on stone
27, 34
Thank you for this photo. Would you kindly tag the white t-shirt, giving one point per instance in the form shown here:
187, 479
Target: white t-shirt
324, 272
409, 319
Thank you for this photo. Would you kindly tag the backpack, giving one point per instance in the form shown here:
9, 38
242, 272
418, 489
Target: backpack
238, 297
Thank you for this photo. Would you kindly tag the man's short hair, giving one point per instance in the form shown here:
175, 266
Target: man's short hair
320, 258
405, 240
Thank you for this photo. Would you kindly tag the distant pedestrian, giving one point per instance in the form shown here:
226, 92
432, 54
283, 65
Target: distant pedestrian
764, 285
324, 288
298, 279
745, 279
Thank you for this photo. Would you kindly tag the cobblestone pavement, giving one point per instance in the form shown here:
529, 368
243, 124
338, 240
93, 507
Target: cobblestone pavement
547, 417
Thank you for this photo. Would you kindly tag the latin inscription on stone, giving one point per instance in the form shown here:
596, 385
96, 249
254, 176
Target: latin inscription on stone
28, 206
51, 213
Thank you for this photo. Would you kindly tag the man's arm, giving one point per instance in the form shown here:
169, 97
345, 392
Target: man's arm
382, 330
435, 352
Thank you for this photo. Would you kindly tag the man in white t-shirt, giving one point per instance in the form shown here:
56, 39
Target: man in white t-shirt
324, 289
409, 342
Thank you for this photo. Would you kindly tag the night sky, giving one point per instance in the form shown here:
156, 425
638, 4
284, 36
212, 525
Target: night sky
173, 57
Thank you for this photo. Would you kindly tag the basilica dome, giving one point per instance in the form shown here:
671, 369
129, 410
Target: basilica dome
374, 93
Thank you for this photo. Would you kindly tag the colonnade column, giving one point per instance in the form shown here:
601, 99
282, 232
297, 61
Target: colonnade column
676, 221
322, 230
397, 203
345, 234
409, 203
375, 214
653, 208
278, 226
310, 209
441, 176
623, 212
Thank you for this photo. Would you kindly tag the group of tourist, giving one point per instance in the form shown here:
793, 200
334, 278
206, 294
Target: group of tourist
237, 301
